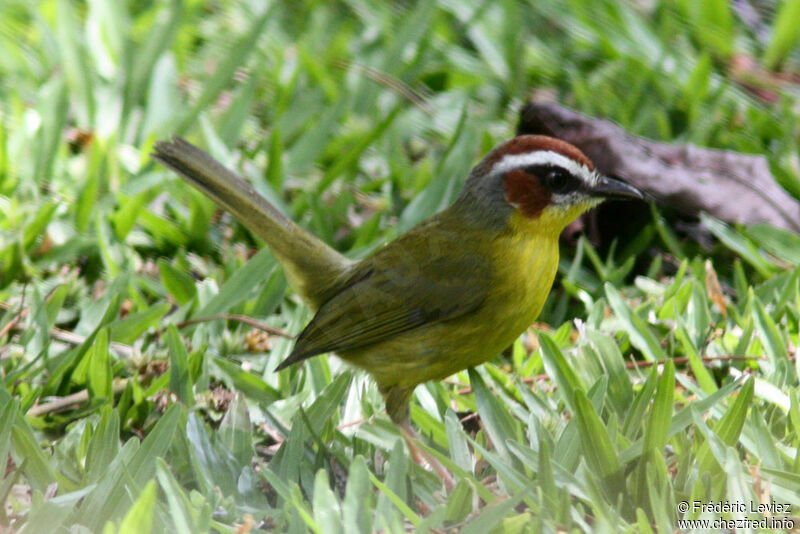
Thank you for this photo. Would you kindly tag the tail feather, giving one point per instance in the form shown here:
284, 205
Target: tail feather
310, 265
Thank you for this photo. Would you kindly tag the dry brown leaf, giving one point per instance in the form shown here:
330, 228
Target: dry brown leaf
731, 186
714, 290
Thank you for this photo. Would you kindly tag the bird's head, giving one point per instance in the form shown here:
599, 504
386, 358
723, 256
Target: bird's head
543, 180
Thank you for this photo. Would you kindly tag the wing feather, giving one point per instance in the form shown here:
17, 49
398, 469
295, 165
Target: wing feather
385, 302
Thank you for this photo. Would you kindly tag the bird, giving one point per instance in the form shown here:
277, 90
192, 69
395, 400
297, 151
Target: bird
449, 294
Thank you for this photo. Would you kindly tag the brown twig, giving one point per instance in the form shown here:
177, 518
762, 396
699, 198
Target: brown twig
21, 314
684, 359
127, 351
63, 403
13, 322
645, 363
57, 333
351, 423
239, 318
390, 82
74, 339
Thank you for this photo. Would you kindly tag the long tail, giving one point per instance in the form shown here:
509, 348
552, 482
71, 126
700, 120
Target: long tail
311, 266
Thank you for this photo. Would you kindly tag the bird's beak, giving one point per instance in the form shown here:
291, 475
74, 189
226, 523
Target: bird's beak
611, 188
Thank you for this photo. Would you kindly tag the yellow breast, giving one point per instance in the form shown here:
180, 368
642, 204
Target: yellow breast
525, 260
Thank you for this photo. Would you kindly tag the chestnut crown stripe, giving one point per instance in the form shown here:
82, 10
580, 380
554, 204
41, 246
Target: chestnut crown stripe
523, 144
510, 162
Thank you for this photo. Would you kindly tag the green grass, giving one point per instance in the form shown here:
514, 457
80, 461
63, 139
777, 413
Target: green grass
360, 120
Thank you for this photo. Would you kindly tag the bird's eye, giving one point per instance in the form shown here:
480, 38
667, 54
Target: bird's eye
558, 180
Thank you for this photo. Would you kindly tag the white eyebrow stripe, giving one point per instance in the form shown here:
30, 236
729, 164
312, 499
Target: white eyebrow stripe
546, 157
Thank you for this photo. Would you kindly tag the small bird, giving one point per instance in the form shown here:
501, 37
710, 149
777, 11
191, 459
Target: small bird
452, 292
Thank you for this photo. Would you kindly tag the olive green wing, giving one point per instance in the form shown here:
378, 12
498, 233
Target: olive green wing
384, 302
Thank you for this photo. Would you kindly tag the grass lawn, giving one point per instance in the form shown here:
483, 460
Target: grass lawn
133, 396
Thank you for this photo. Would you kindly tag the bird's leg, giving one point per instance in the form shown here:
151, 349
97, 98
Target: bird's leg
418, 454
397, 400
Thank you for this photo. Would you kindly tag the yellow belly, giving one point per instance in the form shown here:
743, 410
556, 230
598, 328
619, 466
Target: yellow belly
524, 264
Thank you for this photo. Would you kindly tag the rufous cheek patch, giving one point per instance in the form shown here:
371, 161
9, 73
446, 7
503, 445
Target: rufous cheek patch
524, 192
